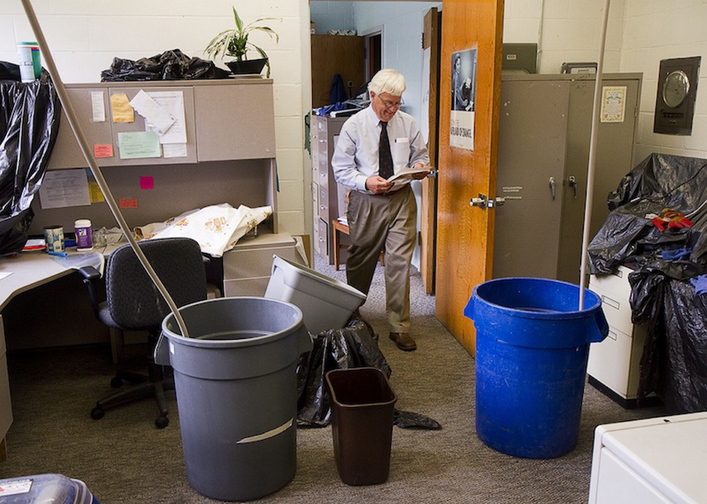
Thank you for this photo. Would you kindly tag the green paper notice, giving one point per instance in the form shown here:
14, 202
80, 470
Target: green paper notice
139, 144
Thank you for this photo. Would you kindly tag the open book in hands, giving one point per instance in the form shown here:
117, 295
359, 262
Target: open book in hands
405, 176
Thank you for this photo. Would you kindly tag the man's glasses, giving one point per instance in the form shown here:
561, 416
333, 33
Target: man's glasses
391, 104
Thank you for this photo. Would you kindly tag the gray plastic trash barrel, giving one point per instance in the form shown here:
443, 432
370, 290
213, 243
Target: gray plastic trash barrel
236, 387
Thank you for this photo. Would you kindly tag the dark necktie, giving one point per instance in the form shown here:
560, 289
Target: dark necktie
385, 158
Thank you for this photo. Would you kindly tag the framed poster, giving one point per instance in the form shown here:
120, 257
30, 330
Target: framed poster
463, 99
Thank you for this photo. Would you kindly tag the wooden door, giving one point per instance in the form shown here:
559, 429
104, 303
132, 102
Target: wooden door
465, 233
428, 206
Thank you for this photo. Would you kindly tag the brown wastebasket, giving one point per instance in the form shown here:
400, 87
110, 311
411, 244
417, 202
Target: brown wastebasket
363, 405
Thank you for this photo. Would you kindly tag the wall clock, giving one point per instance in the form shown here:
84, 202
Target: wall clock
675, 100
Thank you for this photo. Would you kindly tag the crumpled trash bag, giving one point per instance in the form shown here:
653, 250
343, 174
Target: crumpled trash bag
674, 360
29, 125
659, 182
169, 65
352, 346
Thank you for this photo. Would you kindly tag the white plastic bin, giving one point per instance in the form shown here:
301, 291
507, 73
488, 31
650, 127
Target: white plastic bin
326, 303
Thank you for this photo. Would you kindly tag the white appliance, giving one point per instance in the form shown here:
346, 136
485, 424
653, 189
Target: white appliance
658, 460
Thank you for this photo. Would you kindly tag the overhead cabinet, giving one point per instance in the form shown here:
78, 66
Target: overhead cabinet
228, 157
544, 138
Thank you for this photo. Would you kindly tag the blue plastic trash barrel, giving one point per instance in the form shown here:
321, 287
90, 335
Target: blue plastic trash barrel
532, 345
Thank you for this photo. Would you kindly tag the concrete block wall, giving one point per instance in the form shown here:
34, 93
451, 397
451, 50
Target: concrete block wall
84, 36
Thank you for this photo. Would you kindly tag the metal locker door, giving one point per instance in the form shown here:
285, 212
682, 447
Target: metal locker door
531, 161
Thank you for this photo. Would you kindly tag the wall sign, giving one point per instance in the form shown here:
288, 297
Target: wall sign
675, 97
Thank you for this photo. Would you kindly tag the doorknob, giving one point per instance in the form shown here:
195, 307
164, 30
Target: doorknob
483, 202
552, 185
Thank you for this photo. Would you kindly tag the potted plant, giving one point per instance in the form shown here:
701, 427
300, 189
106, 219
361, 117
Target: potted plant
235, 43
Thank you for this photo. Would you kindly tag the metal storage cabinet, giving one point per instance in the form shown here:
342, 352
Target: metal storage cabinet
328, 196
544, 137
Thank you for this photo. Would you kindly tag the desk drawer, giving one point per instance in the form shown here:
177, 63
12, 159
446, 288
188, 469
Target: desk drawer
238, 264
616, 309
246, 287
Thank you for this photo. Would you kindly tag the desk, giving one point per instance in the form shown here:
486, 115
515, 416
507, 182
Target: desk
33, 270
29, 270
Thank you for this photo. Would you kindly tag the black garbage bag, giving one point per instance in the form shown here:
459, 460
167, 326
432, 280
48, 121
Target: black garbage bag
352, 346
169, 65
29, 125
349, 347
659, 182
674, 360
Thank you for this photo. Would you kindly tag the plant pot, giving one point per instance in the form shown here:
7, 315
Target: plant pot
254, 66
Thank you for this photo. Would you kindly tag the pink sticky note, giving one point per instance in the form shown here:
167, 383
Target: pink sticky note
147, 183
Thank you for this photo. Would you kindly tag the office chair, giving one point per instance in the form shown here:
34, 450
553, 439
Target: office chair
133, 303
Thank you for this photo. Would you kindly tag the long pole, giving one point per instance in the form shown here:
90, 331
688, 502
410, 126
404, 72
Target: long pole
83, 144
592, 158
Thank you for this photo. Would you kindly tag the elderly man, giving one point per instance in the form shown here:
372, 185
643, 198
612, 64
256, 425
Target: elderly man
375, 144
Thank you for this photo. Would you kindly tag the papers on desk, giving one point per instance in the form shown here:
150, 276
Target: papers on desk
34, 244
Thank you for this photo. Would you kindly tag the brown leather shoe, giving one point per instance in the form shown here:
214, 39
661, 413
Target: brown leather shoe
404, 341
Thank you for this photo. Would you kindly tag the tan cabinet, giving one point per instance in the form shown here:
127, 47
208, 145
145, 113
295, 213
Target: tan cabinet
229, 156
247, 268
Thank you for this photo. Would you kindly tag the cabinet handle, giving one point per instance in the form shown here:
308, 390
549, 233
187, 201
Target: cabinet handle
616, 305
572, 181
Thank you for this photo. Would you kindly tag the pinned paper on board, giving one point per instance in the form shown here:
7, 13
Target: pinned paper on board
156, 116
64, 188
139, 144
98, 108
121, 109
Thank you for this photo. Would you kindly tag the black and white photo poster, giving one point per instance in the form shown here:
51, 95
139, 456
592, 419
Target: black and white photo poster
463, 99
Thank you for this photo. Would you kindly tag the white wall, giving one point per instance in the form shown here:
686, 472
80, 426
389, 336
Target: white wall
85, 35
656, 30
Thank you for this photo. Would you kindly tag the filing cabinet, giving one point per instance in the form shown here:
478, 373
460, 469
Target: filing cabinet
247, 267
327, 195
614, 364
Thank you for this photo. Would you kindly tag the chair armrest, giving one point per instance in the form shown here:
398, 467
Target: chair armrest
92, 278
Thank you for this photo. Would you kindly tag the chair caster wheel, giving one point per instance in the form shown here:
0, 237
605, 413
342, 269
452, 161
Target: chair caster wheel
116, 382
97, 413
161, 422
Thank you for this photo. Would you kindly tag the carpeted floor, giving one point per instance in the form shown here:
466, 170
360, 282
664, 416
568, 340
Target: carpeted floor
123, 458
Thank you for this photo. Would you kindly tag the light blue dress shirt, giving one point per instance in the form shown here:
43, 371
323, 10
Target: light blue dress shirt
356, 154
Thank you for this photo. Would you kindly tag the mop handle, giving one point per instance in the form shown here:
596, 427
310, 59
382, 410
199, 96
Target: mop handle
83, 144
592, 159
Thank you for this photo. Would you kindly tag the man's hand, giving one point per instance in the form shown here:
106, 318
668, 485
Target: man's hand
421, 175
378, 185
